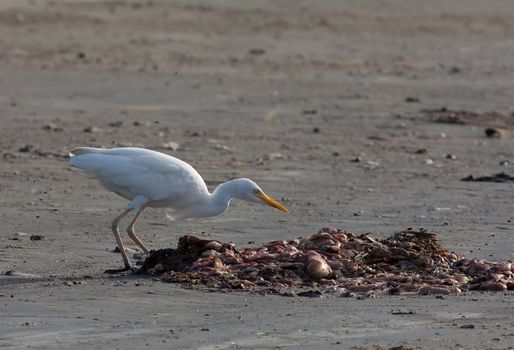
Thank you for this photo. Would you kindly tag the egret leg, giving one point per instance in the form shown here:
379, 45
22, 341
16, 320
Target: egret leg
114, 227
132, 233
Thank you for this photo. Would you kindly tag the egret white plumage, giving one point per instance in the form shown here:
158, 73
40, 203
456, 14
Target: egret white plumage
153, 179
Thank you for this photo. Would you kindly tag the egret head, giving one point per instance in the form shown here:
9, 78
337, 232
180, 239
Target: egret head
251, 192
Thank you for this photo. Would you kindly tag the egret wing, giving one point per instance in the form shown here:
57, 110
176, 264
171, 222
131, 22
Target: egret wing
155, 175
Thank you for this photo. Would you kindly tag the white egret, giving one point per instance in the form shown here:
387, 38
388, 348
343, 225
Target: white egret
153, 179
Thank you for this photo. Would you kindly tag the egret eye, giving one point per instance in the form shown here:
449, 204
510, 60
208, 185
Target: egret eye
256, 191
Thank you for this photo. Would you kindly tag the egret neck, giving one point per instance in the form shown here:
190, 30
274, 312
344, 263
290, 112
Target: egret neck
222, 195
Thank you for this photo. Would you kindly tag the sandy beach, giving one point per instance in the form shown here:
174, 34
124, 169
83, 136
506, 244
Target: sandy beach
324, 104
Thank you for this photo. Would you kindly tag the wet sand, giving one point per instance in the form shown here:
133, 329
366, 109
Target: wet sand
319, 103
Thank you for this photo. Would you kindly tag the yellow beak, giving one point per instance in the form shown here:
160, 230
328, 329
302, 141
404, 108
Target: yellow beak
271, 202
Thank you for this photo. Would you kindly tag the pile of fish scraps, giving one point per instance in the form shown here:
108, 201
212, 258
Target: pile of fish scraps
407, 263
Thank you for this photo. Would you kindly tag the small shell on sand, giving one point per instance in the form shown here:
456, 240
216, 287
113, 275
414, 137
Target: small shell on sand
14, 273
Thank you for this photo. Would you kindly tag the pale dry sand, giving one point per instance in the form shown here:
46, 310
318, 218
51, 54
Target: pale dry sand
235, 83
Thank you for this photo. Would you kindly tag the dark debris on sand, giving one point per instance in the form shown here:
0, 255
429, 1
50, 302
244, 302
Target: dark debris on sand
500, 178
408, 262
465, 117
